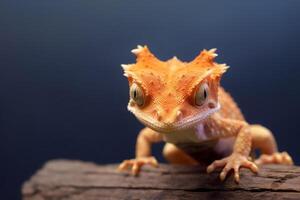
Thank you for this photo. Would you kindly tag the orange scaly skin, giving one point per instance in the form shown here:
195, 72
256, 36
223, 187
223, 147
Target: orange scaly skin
183, 104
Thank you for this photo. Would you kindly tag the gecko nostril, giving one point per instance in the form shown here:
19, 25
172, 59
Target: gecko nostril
157, 115
179, 115
211, 105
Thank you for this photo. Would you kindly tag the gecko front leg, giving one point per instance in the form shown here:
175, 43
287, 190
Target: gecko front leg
241, 150
143, 152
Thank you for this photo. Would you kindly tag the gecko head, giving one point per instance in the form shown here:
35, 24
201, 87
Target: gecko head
172, 95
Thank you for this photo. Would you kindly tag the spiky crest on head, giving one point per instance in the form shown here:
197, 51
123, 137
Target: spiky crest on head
206, 56
144, 58
146, 69
149, 69
205, 61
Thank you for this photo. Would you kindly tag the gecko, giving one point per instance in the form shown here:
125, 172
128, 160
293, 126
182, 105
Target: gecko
184, 105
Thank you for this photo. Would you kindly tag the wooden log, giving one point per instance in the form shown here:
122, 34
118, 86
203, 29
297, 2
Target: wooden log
66, 179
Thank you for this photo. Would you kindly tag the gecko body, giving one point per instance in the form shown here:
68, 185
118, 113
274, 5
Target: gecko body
183, 104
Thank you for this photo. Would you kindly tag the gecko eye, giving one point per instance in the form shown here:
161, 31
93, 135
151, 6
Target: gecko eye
201, 94
137, 94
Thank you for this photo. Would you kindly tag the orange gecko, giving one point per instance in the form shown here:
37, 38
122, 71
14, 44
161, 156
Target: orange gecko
183, 104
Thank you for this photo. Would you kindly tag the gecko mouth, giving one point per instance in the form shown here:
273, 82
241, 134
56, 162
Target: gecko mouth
171, 127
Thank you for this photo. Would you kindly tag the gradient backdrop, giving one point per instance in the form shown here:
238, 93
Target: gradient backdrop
61, 85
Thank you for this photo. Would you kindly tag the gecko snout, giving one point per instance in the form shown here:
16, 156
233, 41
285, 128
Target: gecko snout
173, 117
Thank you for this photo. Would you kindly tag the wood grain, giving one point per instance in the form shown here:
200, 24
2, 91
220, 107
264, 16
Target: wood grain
67, 179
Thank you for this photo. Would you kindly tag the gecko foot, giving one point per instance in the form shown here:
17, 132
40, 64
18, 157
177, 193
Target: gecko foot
275, 158
136, 164
232, 162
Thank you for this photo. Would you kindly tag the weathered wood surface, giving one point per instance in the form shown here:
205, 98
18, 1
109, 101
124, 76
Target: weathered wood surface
65, 179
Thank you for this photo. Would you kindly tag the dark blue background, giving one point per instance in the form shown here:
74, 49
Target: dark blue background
62, 90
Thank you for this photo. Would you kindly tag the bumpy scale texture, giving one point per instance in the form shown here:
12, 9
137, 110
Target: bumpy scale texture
183, 104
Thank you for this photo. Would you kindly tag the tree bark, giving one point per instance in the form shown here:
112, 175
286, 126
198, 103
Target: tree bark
66, 179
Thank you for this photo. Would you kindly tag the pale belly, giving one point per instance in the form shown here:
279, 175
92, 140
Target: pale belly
201, 145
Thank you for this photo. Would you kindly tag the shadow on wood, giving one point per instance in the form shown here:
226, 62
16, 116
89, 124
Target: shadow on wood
66, 179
